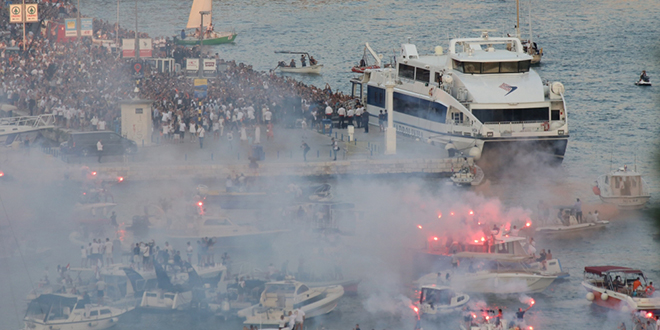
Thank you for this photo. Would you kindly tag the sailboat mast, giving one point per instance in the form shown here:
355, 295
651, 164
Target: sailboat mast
518, 18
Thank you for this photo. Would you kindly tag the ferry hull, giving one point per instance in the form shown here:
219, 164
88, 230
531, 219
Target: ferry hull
503, 283
550, 149
627, 202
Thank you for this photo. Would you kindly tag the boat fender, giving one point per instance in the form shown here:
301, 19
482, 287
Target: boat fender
546, 126
590, 296
604, 296
596, 190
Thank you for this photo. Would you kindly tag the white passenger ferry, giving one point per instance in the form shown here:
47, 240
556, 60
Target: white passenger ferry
479, 94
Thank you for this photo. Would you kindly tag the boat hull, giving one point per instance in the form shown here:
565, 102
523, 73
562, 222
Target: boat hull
166, 301
626, 202
229, 38
620, 301
502, 150
88, 324
502, 283
312, 69
558, 230
271, 316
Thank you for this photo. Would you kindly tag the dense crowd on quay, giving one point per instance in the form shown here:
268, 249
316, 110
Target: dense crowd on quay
81, 82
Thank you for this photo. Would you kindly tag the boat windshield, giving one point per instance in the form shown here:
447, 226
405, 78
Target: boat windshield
437, 297
280, 288
51, 307
492, 67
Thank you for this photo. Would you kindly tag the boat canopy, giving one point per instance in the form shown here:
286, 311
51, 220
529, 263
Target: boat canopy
52, 306
602, 270
194, 19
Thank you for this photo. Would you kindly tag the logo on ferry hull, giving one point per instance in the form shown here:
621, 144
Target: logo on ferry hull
508, 88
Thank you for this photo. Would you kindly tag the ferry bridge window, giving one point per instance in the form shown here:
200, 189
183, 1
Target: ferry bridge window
422, 75
509, 67
511, 115
471, 67
524, 66
458, 66
491, 67
406, 71
420, 108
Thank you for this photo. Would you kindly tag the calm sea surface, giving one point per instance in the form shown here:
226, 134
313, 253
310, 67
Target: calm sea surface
596, 48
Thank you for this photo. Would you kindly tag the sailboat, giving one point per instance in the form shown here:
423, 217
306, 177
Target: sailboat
529, 45
197, 21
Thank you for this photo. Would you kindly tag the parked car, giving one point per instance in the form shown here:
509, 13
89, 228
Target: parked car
84, 144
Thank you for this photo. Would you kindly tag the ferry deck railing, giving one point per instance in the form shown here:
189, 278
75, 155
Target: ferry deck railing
45, 120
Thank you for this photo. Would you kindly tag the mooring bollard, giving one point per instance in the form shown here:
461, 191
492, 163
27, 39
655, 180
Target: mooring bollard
355, 141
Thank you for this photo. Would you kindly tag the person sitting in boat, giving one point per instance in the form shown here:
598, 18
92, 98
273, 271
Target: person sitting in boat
312, 61
303, 62
644, 77
293, 63
196, 35
363, 63
281, 64
617, 283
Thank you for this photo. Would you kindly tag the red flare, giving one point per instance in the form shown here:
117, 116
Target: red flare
471, 212
94, 173
483, 239
419, 226
435, 238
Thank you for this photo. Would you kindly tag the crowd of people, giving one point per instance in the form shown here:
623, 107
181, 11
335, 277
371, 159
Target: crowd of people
82, 81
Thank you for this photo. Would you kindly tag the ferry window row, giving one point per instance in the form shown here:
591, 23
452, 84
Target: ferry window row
408, 105
414, 73
511, 115
420, 108
491, 67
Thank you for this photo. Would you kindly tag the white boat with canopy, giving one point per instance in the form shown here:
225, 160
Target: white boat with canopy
566, 223
435, 301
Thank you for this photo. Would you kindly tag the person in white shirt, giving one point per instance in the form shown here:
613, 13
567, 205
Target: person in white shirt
200, 134
216, 130
99, 149
292, 321
358, 116
342, 113
328, 112
193, 131
350, 113
300, 318
267, 116
101, 125
182, 130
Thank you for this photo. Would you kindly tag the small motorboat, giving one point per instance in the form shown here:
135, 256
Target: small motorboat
644, 80
169, 296
468, 175
195, 20
312, 68
280, 298
69, 312
435, 301
364, 64
566, 223
624, 188
614, 287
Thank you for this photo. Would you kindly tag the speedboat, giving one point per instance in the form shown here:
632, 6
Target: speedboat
195, 19
280, 298
566, 223
612, 287
468, 175
624, 188
69, 312
646, 81
478, 97
435, 301
312, 68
